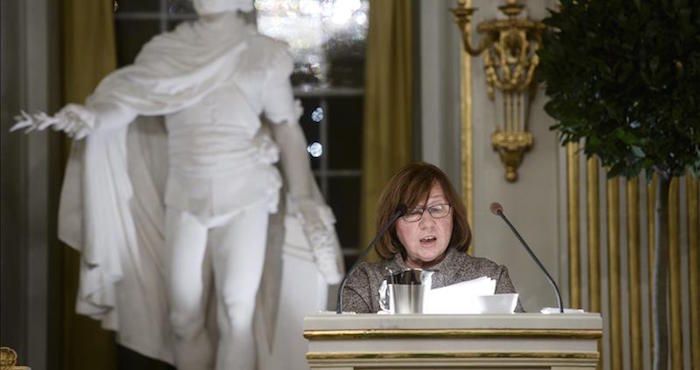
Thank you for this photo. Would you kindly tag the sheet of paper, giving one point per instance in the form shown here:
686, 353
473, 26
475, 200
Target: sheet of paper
479, 286
472, 296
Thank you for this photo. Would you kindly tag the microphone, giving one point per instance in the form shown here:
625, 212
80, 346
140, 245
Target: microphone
497, 209
400, 211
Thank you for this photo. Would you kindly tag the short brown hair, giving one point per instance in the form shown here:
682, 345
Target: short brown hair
410, 186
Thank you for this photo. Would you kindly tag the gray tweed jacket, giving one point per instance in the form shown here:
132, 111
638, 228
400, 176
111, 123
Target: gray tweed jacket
361, 292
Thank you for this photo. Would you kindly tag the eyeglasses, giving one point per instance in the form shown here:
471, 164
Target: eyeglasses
436, 211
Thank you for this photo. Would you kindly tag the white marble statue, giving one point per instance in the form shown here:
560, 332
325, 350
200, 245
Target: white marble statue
163, 217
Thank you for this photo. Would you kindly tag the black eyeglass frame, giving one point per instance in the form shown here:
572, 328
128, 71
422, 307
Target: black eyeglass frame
413, 211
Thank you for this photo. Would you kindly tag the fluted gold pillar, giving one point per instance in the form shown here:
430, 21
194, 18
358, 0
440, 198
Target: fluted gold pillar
674, 265
572, 212
693, 269
467, 175
651, 234
593, 233
635, 300
593, 218
613, 210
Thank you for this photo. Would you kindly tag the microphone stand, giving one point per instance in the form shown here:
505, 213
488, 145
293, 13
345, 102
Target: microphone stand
498, 210
400, 211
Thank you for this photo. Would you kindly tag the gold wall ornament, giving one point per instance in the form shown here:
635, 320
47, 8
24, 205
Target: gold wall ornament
8, 357
8, 360
509, 46
511, 147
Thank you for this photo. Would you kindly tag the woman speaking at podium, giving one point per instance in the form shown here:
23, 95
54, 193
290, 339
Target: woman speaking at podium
433, 234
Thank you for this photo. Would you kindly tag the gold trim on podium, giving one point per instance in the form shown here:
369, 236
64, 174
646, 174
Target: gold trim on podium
451, 333
411, 355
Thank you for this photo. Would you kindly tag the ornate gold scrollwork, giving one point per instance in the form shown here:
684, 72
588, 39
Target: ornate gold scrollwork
509, 46
511, 147
8, 359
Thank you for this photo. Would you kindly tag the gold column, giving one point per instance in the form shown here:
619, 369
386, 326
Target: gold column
693, 269
573, 218
593, 199
635, 301
674, 264
613, 208
651, 224
467, 136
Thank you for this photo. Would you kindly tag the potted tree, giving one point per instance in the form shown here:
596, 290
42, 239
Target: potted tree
623, 78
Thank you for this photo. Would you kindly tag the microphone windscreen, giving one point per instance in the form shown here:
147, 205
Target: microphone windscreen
496, 208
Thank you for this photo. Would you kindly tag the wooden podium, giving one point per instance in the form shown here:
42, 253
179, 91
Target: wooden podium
515, 341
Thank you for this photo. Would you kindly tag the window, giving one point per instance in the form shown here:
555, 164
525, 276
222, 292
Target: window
327, 40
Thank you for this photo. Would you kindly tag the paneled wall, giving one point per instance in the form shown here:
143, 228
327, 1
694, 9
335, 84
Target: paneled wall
591, 233
610, 254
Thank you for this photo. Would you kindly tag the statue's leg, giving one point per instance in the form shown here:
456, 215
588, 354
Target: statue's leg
189, 279
238, 253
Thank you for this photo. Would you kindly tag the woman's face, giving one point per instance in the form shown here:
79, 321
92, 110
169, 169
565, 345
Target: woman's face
426, 240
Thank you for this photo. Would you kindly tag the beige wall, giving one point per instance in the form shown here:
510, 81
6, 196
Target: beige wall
439, 86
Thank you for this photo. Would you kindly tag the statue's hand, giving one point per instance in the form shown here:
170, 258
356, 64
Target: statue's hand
31, 122
75, 120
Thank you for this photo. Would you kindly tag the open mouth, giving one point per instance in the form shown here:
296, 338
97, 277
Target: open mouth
428, 239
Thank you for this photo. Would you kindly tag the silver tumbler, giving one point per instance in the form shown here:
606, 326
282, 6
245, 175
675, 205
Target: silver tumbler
406, 291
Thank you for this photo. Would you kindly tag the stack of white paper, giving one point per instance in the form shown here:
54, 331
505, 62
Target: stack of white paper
469, 297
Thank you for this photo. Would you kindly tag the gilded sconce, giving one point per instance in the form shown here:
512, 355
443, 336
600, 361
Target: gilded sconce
8, 360
509, 46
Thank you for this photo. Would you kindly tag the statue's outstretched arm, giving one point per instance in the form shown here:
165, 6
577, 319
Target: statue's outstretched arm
77, 120
295, 161
316, 217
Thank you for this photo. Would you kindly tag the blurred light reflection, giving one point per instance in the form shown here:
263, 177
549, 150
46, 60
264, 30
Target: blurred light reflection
317, 115
315, 149
317, 31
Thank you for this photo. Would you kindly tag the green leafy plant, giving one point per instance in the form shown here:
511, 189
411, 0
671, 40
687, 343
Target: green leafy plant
623, 78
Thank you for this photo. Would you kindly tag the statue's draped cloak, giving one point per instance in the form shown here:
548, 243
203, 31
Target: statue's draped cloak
112, 207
